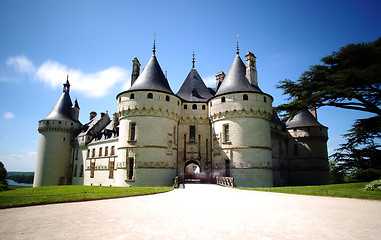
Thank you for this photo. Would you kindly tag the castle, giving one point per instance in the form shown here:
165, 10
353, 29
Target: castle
156, 135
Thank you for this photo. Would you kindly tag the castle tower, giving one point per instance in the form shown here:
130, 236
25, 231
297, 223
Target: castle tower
307, 148
148, 116
57, 131
194, 127
240, 115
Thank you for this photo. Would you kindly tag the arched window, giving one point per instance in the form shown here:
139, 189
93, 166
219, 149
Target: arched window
203, 107
223, 99
194, 106
245, 97
167, 98
132, 96
185, 106
150, 95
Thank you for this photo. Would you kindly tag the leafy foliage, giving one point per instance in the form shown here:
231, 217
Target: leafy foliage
3, 178
349, 78
22, 178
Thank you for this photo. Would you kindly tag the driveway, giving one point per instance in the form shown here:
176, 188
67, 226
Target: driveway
198, 212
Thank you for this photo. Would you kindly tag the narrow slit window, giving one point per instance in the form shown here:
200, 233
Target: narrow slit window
192, 134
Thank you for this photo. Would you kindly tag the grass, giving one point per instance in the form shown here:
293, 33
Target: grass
53, 194
347, 190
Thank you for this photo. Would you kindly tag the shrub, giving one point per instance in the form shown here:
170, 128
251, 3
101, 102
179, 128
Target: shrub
374, 185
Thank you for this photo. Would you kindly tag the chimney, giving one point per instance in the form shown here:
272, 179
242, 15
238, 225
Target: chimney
219, 78
251, 68
115, 119
314, 111
93, 115
135, 70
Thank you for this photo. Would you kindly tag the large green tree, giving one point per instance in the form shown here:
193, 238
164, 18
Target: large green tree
3, 177
350, 79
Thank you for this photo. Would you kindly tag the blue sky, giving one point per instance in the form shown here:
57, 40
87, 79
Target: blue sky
95, 41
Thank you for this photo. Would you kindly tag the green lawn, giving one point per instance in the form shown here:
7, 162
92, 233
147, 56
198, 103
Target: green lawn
348, 190
38, 195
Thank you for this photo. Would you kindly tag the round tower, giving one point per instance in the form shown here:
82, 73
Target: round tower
57, 131
307, 149
240, 115
148, 118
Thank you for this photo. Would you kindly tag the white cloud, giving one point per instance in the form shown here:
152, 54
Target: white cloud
9, 115
53, 74
19, 162
126, 86
210, 81
21, 64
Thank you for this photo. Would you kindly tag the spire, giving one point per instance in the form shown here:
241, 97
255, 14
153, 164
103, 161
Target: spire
193, 60
66, 86
237, 46
154, 45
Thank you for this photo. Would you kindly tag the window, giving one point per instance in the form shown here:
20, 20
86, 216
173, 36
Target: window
185, 106
194, 106
112, 150
150, 95
192, 133
100, 152
132, 131
226, 133
64, 139
76, 154
75, 171
111, 169
88, 153
130, 169
106, 151
132, 96
296, 150
227, 168
167, 98
93, 152
203, 107
92, 169
245, 97
264, 99
223, 99
81, 171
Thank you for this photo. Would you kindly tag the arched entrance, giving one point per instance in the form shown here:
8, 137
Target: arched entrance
192, 172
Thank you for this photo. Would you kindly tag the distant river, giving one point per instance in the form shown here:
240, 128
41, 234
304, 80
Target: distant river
11, 182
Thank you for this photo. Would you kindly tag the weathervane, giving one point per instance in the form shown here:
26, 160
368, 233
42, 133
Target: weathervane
237, 45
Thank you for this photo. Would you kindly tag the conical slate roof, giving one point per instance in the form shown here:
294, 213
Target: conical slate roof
194, 89
235, 80
62, 109
303, 119
151, 78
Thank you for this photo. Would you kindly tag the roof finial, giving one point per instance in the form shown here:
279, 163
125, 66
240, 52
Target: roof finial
154, 45
237, 45
193, 60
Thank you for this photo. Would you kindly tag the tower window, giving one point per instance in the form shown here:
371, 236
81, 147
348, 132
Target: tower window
132, 131
245, 97
185, 106
203, 107
192, 133
226, 133
194, 106
167, 98
223, 99
150, 95
264, 99
132, 96
130, 169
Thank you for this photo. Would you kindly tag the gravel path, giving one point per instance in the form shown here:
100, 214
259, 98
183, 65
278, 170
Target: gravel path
198, 212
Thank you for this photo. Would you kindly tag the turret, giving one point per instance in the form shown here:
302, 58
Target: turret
240, 115
307, 148
57, 131
148, 114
